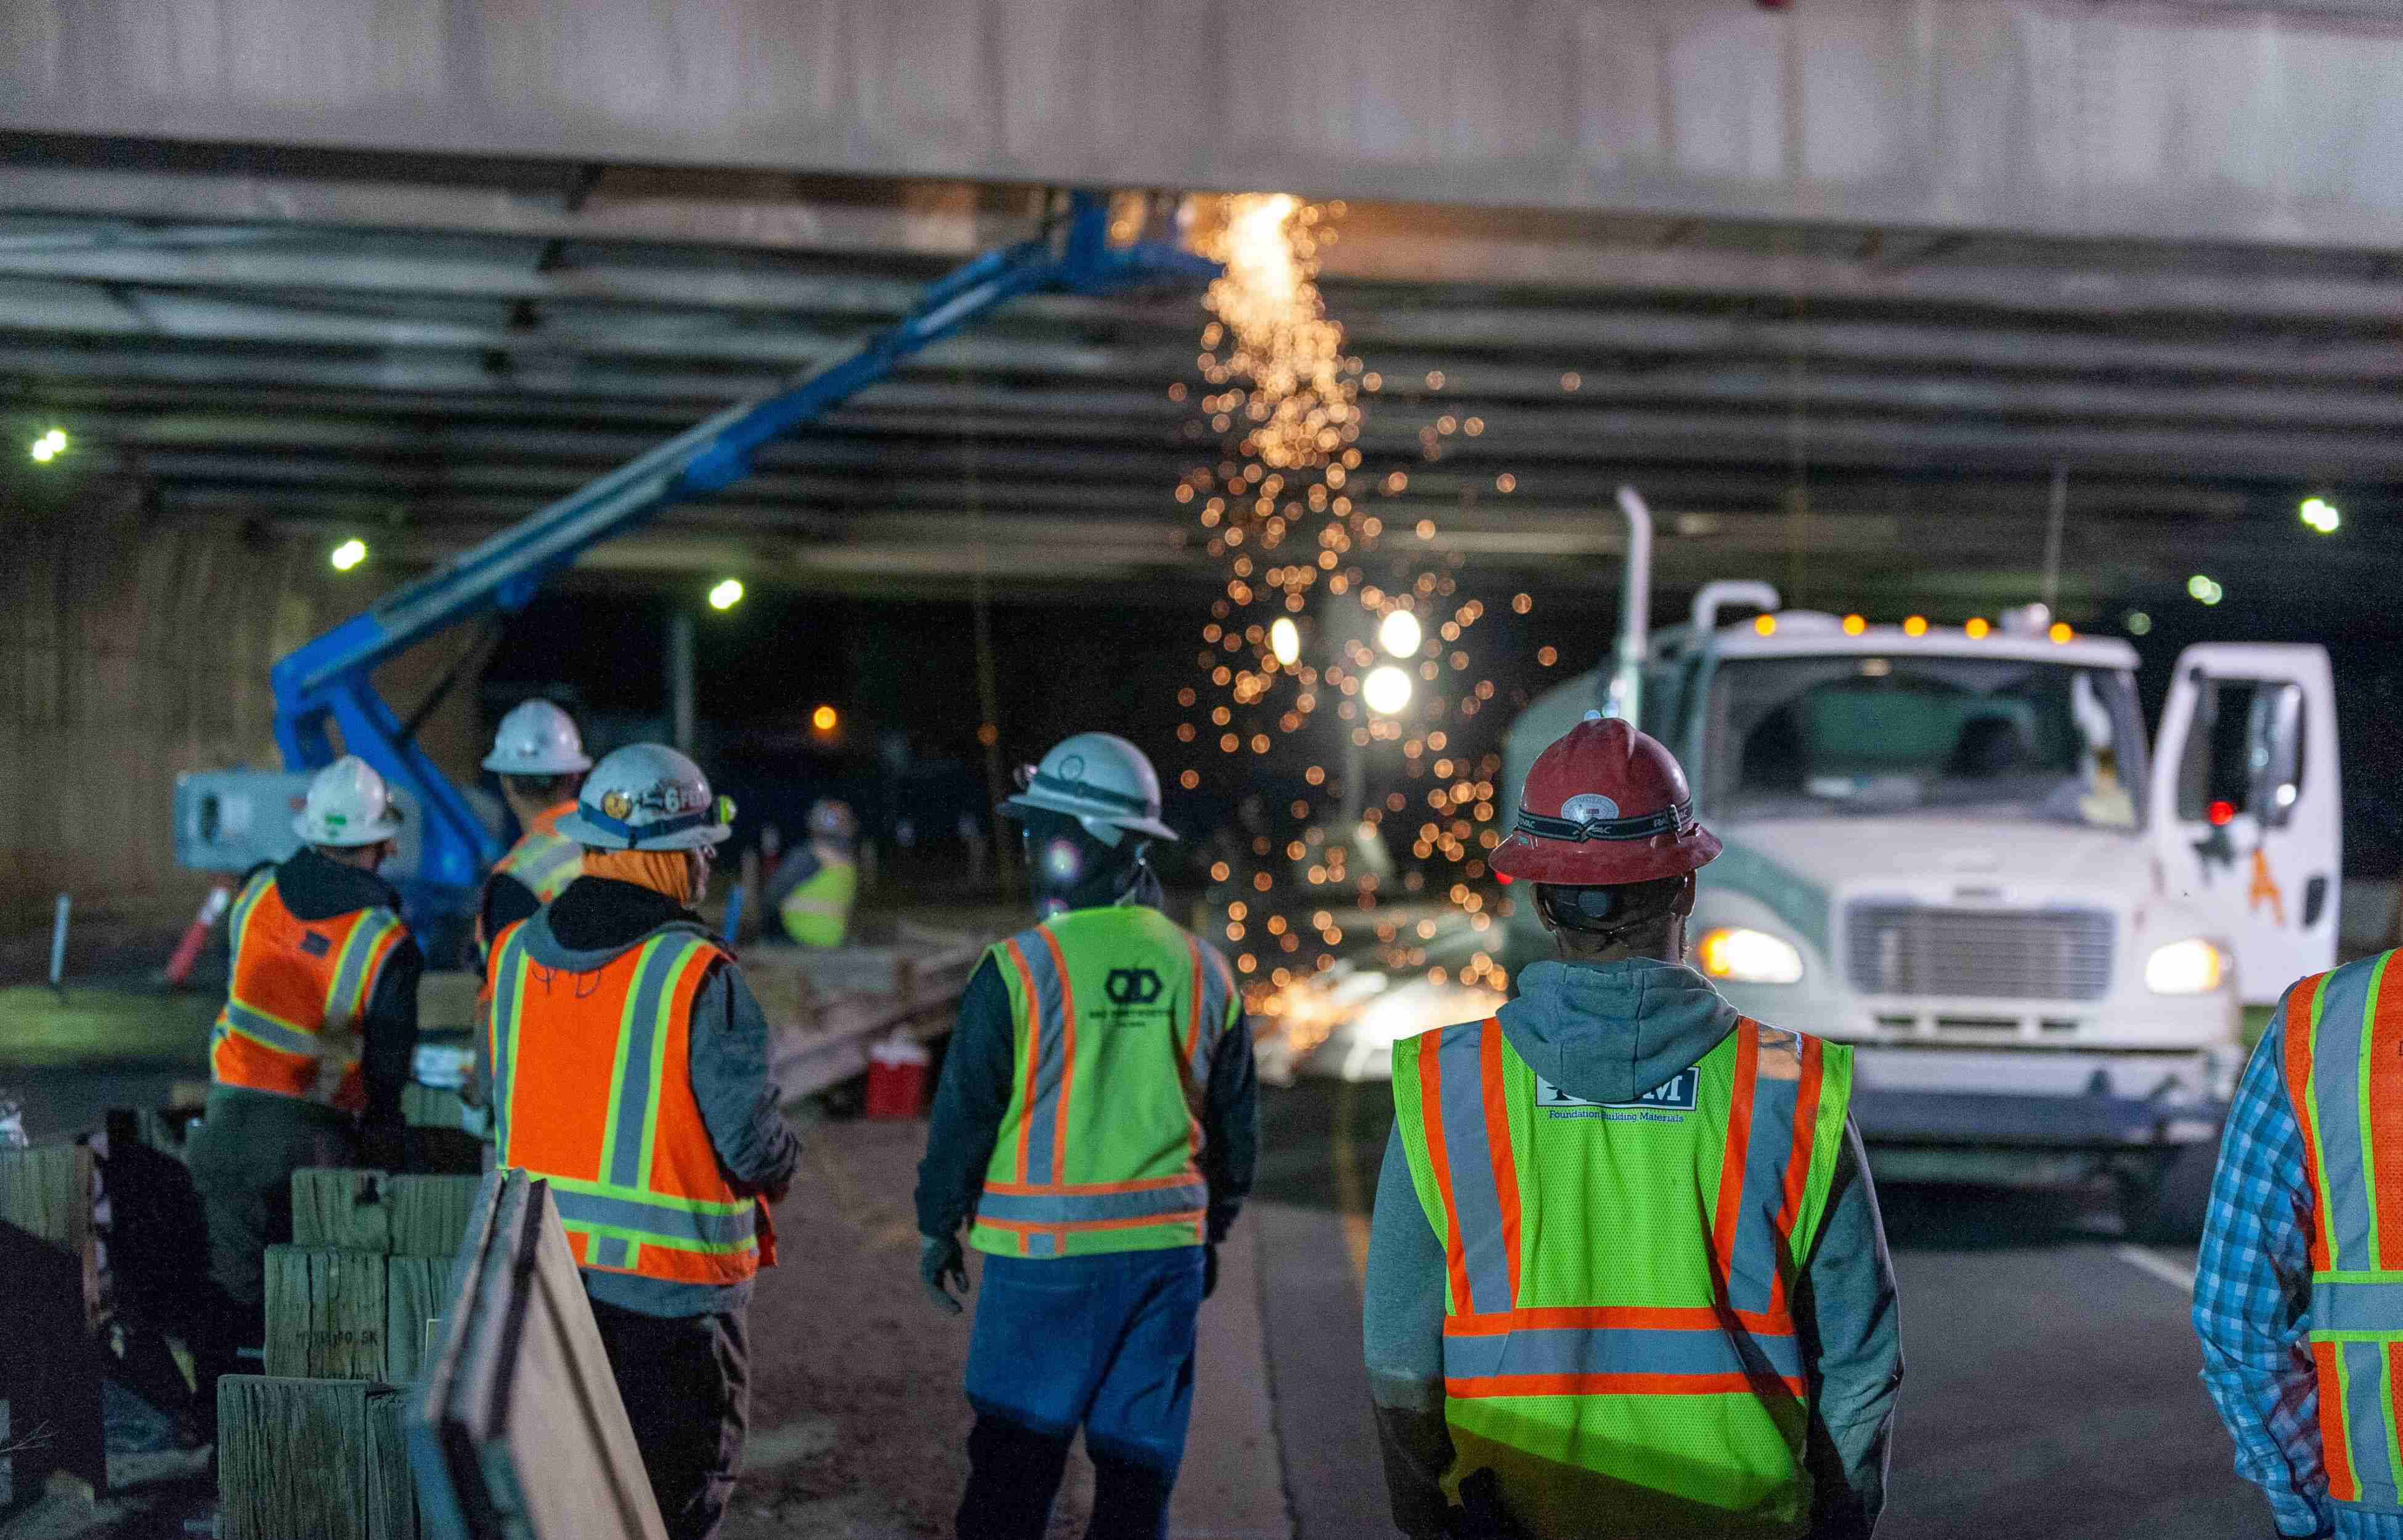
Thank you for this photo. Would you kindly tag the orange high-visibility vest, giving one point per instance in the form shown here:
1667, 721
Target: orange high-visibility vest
301, 987
592, 1091
2344, 1076
543, 859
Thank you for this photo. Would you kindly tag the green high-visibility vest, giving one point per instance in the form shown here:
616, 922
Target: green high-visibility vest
1118, 1013
817, 913
2344, 1074
1618, 1331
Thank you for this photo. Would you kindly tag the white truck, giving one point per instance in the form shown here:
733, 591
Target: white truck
1953, 849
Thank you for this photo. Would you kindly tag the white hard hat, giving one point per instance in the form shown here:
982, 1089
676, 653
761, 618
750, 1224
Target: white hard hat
648, 797
537, 739
1100, 780
348, 805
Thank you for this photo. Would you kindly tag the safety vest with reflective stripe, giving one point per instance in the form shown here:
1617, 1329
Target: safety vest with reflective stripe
1117, 1014
593, 1089
2343, 1072
301, 988
1618, 1334
545, 860
817, 913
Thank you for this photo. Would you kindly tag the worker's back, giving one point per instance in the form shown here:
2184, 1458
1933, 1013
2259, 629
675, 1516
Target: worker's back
1620, 1245
298, 992
1118, 1014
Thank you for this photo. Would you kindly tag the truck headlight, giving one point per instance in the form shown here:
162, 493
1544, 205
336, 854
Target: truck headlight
2192, 966
1748, 956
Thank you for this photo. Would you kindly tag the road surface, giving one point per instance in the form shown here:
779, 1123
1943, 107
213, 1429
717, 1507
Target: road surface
2050, 1385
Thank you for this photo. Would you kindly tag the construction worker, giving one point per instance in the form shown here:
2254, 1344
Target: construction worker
2296, 1292
540, 758
814, 887
308, 1056
630, 1068
1096, 1125
1626, 1274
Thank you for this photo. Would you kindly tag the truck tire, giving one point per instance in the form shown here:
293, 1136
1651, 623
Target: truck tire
2165, 1202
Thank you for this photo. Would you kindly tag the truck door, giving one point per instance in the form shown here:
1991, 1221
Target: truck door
2246, 814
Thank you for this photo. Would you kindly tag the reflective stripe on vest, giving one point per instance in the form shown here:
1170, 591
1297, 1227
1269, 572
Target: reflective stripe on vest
1559, 1354
2343, 1073
543, 859
1081, 1168
298, 992
616, 1127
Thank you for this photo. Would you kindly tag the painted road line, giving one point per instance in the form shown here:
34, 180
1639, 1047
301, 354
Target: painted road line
2160, 1267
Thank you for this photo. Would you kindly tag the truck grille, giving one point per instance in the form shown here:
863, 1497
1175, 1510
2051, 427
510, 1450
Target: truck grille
1998, 954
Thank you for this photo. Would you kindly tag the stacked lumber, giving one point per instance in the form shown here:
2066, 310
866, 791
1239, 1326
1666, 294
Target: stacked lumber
313, 1446
515, 1427
827, 1007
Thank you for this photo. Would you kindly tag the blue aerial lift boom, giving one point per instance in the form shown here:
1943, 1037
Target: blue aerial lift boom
328, 679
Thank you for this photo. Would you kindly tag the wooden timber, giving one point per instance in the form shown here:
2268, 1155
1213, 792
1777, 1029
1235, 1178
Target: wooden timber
315, 1458
430, 1214
517, 1428
413, 1294
341, 1208
327, 1314
46, 1191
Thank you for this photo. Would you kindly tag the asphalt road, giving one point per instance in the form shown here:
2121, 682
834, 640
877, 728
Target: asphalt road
2051, 1383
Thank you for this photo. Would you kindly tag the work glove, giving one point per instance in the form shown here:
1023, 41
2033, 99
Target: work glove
941, 1265
1209, 1269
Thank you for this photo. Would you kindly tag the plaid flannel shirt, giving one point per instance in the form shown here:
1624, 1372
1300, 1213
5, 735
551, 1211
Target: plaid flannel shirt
2252, 1306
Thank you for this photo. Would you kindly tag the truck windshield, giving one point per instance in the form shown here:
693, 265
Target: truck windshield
1858, 735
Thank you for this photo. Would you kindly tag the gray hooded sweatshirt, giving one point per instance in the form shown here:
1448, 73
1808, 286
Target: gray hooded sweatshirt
1609, 1033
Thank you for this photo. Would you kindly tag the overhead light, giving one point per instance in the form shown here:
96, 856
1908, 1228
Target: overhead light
1400, 634
2321, 515
1387, 689
1975, 626
2059, 631
825, 719
1915, 625
2138, 622
727, 594
1765, 625
349, 554
1284, 640
2204, 590
49, 446
1855, 624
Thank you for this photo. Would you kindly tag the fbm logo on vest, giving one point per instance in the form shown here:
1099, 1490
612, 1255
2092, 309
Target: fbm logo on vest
1678, 1094
1132, 986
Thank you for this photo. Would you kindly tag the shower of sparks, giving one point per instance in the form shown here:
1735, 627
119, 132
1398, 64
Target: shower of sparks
1301, 524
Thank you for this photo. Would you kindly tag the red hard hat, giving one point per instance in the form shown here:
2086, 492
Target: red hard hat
1603, 806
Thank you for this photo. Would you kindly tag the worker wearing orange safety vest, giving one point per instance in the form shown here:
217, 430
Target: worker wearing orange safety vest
1626, 1274
308, 1057
1095, 1128
628, 1066
540, 759
2299, 1284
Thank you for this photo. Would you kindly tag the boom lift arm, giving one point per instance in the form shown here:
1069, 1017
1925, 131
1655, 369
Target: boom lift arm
327, 678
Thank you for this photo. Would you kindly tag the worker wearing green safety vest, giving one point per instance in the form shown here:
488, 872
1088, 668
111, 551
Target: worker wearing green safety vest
1095, 1130
814, 889
1626, 1274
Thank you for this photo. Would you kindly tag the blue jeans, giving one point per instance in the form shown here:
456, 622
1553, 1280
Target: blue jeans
1104, 1343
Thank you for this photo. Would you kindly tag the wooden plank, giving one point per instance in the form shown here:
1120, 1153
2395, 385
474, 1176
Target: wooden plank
341, 1208
327, 1314
310, 1457
45, 1191
413, 1292
392, 1497
518, 1416
430, 1214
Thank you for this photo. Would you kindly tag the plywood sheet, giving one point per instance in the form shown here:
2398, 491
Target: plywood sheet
327, 1314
